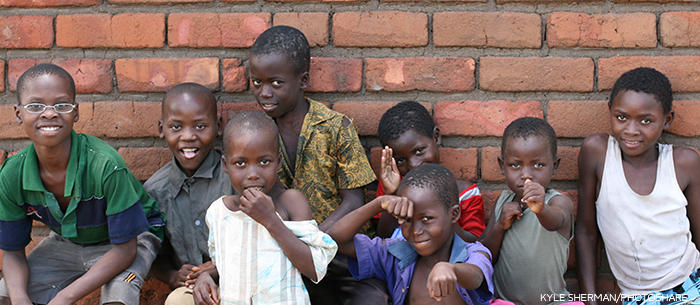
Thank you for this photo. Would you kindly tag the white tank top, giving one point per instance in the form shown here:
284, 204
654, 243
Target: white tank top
647, 238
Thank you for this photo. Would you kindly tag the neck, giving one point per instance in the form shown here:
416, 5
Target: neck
54, 159
649, 156
295, 118
441, 255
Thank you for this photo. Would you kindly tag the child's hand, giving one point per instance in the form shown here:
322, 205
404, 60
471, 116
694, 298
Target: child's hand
258, 206
509, 213
442, 281
390, 175
533, 196
196, 271
399, 207
181, 276
205, 290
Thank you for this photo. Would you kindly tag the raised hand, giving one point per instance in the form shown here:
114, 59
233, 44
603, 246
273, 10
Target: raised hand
533, 196
509, 213
390, 175
442, 281
399, 207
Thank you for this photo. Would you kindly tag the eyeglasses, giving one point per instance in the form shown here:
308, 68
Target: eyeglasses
40, 108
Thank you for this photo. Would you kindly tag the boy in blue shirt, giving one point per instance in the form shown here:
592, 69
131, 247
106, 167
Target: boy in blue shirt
432, 256
106, 231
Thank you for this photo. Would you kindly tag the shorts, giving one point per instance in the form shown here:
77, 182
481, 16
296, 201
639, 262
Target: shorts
687, 292
56, 262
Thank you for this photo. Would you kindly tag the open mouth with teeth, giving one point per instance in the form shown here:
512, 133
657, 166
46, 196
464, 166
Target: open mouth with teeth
49, 128
259, 188
189, 152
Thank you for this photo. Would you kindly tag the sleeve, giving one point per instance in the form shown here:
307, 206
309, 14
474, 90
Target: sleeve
125, 215
373, 258
15, 226
483, 294
211, 224
353, 167
322, 246
472, 206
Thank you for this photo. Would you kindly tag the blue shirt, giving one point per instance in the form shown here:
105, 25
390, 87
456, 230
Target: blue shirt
394, 260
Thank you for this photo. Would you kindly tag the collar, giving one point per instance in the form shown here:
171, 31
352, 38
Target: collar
407, 255
318, 113
205, 170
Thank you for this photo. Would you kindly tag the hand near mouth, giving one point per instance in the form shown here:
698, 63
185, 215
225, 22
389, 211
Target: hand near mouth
533, 196
258, 206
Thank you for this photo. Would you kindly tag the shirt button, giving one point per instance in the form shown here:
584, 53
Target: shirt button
403, 290
192, 180
296, 181
197, 222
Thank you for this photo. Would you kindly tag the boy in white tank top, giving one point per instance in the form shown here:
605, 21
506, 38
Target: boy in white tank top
643, 196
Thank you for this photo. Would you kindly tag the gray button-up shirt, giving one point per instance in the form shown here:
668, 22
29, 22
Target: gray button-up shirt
184, 201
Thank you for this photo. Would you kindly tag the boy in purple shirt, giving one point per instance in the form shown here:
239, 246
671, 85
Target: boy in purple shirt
432, 256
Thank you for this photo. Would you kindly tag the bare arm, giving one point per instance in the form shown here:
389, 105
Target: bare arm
590, 158
555, 216
493, 234
116, 260
352, 199
16, 272
164, 270
687, 164
444, 278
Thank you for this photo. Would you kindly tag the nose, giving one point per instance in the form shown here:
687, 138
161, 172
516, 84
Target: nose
526, 173
49, 113
252, 173
415, 228
632, 129
414, 162
266, 91
188, 134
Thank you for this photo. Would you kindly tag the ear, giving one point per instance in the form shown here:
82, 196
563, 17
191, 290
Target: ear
223, 162
501, 164
17, 110
160, 128
279, 161
76, 112
437, 136
455, 212
219, 126
555, 165
668, 119
304, 80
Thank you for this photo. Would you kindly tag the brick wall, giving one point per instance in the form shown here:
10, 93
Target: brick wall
476, 64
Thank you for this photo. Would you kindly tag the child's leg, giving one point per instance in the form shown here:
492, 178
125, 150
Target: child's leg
126, 286
54, 264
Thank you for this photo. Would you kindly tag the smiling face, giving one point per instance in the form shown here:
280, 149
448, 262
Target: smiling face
190, 127
277, 88
637, 120
412, 149
252, 160
430, 230
524, 159
49, 128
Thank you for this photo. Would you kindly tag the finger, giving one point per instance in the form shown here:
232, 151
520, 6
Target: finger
409, 213
527, 181
215, 295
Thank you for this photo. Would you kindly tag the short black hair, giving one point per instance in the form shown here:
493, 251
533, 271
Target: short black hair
435, 177
254, 122
526, 127
193, 89
43, 69
405, 116
647, 80
285, 40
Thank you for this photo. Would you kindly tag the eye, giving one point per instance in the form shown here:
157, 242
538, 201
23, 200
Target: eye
256, 82
264, 162
35, 107
515, 166
277, 83
200, 126
400, 161
538, 165
645, 121
621, 118
426, 218
407, 220
420, 151
239, 163
175, 127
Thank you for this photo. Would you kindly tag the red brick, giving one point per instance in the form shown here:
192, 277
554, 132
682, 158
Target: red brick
144, 162
679, 29
490, 198
47, 3
335, 75
682, 71
490, 171
380, 29
3, 156
527, 74
26, 32
211, 30
568, 167
636, 30
90, 75
120, 119
446, 74
235, 75
157, 1
2, 75
228, 110
366, 115
161, 74
313, 25
481, 119
686, 122
85, 119
499, 30
9, 127
578, 119
652, 1
106, 31
499, 2
438, 1
460, 161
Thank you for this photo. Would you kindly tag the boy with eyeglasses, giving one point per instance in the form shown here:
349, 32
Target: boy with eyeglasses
106, 230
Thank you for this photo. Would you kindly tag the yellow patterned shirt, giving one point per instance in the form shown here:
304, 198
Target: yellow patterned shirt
330, 158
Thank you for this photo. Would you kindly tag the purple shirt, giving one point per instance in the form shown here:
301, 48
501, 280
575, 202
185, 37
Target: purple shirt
394, 260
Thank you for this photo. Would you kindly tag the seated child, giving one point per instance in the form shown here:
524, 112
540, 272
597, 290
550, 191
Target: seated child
531, 225
643, 196
262, 240
409, 137
432, 261
185, 187
106, 231
322, 156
